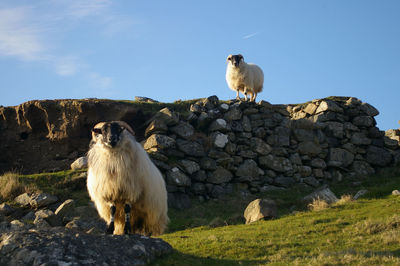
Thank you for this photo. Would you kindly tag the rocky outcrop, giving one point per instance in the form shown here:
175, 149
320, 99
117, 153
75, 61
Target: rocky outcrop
31, 233
49, 135
60, 246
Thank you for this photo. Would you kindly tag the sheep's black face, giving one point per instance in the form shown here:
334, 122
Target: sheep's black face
111, 133
235, 59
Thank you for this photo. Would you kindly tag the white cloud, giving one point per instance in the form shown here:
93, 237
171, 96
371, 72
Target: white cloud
19, 36
98, 81
250, 35
86, 8
67, 65
26, 33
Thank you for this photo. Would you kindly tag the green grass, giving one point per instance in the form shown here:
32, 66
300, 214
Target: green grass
362, 232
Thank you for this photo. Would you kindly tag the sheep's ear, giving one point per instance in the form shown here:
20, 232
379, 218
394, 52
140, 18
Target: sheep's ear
241, 56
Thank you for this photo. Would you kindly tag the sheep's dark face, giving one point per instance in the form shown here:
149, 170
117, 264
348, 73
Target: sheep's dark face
109, 134
235, 59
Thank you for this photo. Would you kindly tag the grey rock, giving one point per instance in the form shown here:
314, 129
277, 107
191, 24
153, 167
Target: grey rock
318, 163
190, 166
80, 163
301, 134
309, 148
304, 170
323, 193
342, 157
220, 140
378, 156
246, 124
157, 126
260, 209
65, 209
219, 176
279, 164
359, 138
176, 177
48, 247
328, 106
284, 181
218, 125
159, 141
183, 129
23, 199
207, 163
363, 121
396, 193
369, 109
249, 168
259, 146
169, 117
310, 180
50, 217
360, 193
199, 188
362, 168
42, 200
200, 175
190, 148
233, 114
6, 209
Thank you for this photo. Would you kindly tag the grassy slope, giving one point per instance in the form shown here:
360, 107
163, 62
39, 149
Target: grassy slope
366, 231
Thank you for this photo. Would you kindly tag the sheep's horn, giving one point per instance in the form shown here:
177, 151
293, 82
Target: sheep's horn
126, 126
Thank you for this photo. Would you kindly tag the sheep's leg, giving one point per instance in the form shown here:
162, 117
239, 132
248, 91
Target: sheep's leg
254, 97
245, 95
110, 227
237, 95
127, 227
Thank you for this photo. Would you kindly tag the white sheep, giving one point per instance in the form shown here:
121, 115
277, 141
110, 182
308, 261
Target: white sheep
127, 188
243, 77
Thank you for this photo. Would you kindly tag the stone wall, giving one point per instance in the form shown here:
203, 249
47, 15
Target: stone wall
218, 147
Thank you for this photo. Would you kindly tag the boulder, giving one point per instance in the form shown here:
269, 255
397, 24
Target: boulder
80, 163
220, 140
260, 209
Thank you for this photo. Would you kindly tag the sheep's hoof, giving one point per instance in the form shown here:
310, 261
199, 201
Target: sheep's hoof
110, 228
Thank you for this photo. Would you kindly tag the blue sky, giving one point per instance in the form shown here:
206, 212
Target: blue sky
170, 50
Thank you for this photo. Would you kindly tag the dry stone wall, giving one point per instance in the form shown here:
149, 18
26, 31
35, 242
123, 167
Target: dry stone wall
219, 147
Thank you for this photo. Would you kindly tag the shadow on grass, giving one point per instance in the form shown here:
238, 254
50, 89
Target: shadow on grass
178, 258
